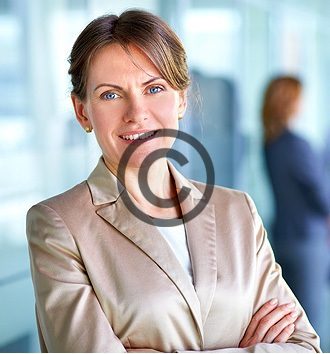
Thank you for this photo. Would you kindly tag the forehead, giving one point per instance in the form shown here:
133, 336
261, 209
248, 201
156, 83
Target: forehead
113, 62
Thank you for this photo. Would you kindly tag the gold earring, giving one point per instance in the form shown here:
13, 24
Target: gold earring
88, 129
180, 117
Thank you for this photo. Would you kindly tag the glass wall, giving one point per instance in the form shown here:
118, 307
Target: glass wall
233, 48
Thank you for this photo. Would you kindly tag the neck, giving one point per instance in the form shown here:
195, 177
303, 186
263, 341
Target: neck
158, 178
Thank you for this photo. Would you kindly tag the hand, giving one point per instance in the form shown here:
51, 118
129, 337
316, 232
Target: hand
270, 324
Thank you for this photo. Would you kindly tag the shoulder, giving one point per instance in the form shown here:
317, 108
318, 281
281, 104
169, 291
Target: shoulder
220, 191
64, 205
288, 137
300, 154
230, 200
236, 217
290, 146
297, 142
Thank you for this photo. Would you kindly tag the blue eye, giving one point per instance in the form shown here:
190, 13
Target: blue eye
110, 96
155, 89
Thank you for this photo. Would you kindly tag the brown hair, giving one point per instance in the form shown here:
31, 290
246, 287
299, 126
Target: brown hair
279, 104
140, 28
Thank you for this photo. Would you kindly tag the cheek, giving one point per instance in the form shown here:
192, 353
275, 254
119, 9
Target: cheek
167, 108
104, 118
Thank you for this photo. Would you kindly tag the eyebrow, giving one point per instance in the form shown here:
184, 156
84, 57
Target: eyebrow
120, 88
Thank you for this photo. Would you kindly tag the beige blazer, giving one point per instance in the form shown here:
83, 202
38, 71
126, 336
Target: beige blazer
107, 282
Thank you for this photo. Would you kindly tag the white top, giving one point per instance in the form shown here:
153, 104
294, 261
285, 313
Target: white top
176, 238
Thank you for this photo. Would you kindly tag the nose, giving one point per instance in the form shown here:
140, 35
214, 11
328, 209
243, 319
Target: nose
136, 111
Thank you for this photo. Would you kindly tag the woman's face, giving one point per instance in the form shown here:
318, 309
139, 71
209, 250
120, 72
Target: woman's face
127, 99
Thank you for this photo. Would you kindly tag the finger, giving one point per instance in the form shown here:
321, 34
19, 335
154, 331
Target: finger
277, 328
263, 311
285, 334
271, 319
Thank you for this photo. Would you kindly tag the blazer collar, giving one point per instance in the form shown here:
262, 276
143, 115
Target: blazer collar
103, 185
201, 237
105, 188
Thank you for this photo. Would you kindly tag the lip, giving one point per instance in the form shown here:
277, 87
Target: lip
137, 141
132, 132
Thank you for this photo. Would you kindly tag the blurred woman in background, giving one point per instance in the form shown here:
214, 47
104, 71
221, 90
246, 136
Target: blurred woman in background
302, 198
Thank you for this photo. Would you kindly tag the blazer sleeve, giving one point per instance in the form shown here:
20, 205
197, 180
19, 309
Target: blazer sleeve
69, 315
270, 284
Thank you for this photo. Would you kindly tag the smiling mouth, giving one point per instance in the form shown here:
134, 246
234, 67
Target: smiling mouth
139, 136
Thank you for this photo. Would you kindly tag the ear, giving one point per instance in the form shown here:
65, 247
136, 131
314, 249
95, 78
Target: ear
183, 101
80, 110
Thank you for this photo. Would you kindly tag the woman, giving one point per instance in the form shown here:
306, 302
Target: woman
302, 198
106, 281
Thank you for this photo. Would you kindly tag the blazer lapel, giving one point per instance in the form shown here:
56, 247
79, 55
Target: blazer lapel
201, 237
147, 237
152, 243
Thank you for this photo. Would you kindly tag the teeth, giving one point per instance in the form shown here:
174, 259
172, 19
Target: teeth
139, 136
